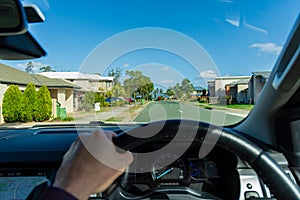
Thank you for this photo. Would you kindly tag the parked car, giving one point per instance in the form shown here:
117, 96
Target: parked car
129, 99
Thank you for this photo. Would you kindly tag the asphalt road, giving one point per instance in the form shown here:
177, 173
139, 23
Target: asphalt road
163, 110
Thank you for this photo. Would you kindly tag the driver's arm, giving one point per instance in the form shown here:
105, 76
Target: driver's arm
91, 165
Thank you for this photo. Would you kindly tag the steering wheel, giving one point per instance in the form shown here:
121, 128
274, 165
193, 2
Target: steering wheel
268, 170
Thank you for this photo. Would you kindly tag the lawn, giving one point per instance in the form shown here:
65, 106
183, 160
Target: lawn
115, 119
224, 107
240, 106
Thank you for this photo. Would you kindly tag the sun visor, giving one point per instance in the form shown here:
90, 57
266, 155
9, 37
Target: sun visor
20, 47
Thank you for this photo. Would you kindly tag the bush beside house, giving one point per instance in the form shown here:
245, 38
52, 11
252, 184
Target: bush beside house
42, 105
11, 104
26, 107
27, 103
89, 101
90, 98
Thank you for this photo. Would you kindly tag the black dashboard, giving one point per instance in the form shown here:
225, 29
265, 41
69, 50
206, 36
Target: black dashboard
32, 155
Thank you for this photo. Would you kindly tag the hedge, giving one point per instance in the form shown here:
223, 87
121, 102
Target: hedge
26, 107
11, 104
42, 105
27, 103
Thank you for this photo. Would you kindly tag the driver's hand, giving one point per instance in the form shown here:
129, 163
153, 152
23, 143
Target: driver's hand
83, 170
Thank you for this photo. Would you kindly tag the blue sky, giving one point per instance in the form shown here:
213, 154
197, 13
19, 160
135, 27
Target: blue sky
238, 36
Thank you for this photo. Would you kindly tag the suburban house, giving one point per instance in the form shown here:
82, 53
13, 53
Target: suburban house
198, 93
86, 82
237, 91
198, 90
231, 86
61, 91
211, 88
256, 84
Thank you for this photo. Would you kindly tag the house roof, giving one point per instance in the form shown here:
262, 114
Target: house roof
232, 77
239, 82
53, 82
77, 76
10, 75
264, 74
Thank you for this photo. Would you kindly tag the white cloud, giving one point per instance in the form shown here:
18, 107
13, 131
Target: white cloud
36, 65
22, 66
165, 69
167, 81
267, 48
208, 74
126, 65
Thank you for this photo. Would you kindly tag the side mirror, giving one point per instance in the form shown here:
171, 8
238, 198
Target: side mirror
12, 18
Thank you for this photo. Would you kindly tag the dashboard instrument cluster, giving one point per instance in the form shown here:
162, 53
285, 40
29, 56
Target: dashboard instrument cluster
170, 170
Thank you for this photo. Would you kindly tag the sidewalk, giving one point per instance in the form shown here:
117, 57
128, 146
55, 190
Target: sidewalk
119, 112
237, 112
123, 114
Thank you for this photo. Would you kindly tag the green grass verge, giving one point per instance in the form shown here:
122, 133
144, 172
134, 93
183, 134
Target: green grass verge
240, 106
232, 106
115, 119
104, 109
58, 119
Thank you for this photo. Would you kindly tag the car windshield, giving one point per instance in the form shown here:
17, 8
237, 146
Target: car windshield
141, 61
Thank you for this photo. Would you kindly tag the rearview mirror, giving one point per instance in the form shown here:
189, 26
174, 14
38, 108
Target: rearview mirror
12, 18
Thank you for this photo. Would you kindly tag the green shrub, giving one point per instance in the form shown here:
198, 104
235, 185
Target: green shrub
118, 103
99, 97
89, 101
42, 105
27, 103
11, 104
67, 119
115, 119
105, 104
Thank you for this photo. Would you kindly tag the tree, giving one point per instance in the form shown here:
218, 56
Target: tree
89, 101
137, 83
27, 103
132, 83
11, 104
187, 87
118, 90
149, 87
29, 67
42, 105
178, 91
170, 91
108, 94
116, 73
99, 97
47, 69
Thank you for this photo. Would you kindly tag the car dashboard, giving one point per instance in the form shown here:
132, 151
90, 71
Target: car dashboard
31, 156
